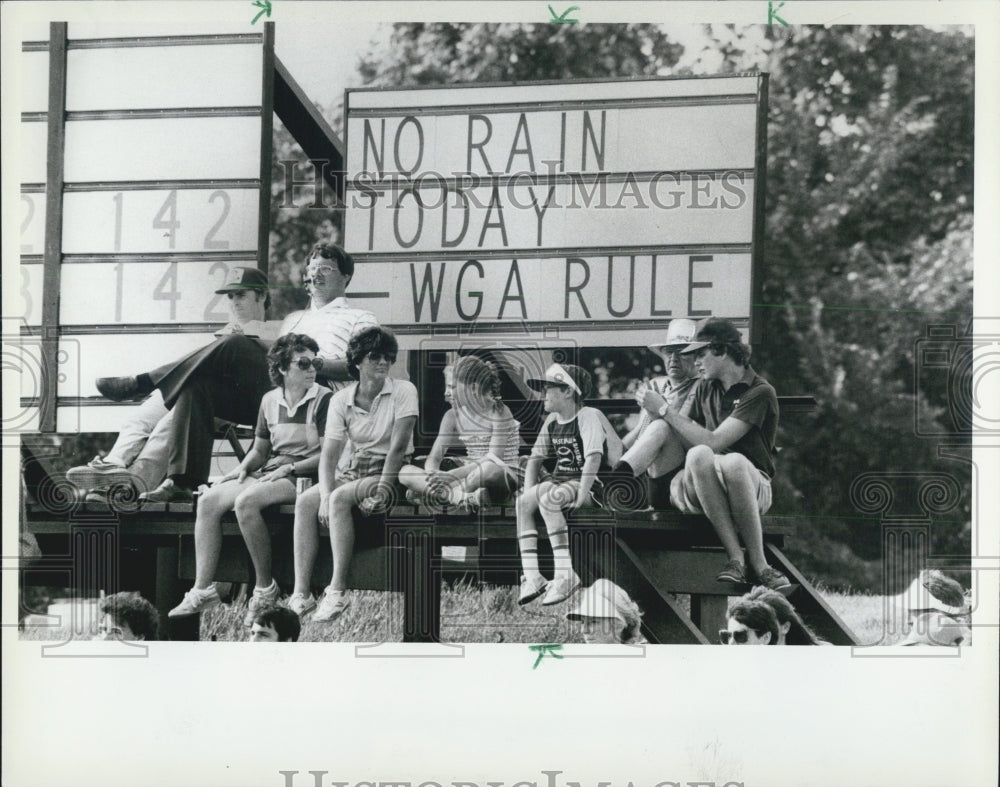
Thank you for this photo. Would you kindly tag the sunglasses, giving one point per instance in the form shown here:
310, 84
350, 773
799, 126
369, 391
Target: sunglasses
306, 363
739, 637
377, 355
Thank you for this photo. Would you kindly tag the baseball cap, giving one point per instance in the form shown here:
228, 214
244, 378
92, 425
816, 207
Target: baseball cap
600, 600
714, 330
680, 333
575, 377
240, 278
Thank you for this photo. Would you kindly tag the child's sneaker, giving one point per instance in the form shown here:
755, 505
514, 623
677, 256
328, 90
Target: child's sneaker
531, 589
301, 604
331, 606
195, 602
560, 589
261, 598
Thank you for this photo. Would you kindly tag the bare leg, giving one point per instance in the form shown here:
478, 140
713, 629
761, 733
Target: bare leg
342, 526
551, 504
739, 474
249, 505
305, 538
208, 528
699, 472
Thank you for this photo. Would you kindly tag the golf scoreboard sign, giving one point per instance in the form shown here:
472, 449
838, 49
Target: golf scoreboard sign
145, 176
592, 212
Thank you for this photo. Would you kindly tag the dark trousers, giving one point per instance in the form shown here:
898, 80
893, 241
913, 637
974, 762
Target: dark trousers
226, 380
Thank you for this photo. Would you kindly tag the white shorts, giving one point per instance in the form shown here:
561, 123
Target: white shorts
685, 499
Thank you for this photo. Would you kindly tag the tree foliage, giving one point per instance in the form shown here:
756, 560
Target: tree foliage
868, 235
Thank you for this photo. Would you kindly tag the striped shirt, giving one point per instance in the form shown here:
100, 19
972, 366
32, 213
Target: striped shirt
332, 326
293, 432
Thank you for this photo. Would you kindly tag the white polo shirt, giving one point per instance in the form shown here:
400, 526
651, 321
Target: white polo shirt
332, 326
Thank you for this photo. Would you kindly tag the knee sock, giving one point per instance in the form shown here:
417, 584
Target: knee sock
559, 540
528, 543
144, 383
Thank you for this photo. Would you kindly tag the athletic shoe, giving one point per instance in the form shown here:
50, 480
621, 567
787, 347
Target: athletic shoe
98, 474
531, 589
118, 389
773, 579
261, 599
733, 572
332, 605
168, 492
560, 589
195, 602
301, 604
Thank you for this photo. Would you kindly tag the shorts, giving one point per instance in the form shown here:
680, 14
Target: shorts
363, 465
687, 501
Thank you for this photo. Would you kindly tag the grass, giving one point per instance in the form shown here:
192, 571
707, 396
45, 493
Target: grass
486, 613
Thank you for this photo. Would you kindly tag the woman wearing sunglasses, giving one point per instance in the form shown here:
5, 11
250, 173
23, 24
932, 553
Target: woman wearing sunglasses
750, 623
377, 415
290, 422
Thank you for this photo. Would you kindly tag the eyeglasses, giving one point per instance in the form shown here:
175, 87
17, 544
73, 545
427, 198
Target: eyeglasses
739, 637
326, 270
377, 355
306, 363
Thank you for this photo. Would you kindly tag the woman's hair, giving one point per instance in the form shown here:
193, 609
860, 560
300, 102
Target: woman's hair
480, 375
279, 357
369, 339
130, 609
756, 615
799, 633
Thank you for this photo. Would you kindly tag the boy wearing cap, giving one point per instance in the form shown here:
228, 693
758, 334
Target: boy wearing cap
583, 444
648, 451
140, 453
728, 467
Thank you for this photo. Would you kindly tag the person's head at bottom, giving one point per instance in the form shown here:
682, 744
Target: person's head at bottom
275, 624
607, 615
128, 616
750, 623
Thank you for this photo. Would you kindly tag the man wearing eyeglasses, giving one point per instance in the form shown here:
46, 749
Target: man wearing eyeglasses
228, 378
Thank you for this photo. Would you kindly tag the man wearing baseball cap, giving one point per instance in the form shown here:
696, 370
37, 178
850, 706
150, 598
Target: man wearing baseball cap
141, 451
730, 429
662, 459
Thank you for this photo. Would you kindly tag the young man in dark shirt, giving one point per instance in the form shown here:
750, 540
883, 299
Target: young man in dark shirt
728, 467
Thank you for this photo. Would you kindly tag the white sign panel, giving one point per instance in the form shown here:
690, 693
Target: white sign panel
590, 208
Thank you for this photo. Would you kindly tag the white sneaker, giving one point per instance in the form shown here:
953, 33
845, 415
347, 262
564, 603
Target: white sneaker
560, 589
332, 605
261, 599
531, 589
301, 604
195, 602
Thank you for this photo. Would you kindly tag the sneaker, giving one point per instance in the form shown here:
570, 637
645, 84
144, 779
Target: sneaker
261, 599
332, 605
196, 601
773, 579
732, 572
531, 589
560, 589
98, 473
301, 604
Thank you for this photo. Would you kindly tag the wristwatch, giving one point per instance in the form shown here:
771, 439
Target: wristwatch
662, 411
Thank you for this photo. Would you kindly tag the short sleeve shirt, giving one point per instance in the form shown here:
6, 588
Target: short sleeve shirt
751, 400
678, 398
332, 326
572, 442
370, 431
293, 431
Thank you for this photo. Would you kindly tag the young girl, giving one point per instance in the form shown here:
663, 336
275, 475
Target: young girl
483, 424
583, 444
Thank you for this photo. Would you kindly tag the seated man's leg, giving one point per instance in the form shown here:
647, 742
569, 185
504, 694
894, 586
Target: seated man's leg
658, 449
701, 488
137, 429
742, 483
150, 466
